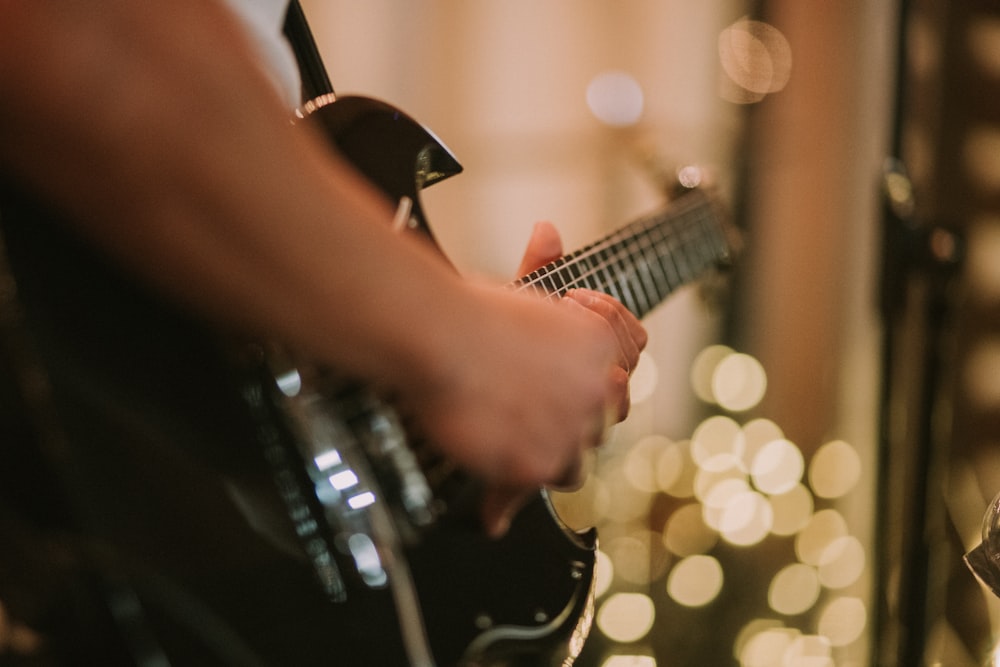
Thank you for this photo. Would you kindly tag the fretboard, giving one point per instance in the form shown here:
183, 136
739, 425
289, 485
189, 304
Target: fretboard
644, 262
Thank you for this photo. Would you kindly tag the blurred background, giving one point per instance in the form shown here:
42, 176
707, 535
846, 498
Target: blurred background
814, 441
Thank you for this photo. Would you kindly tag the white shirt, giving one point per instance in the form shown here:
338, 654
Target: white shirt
264, 21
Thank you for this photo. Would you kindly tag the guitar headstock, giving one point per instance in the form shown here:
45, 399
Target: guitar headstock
674, 180
713, 286
705, 179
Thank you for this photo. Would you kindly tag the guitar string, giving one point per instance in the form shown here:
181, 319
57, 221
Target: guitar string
682, 237
624, 241
627, 243
610, 270
566, 273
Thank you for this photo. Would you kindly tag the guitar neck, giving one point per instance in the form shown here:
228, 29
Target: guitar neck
644, 262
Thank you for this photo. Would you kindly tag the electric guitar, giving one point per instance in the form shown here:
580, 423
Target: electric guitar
253, 508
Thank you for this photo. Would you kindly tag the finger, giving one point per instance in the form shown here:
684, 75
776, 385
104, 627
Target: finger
636, 331
544, 246
623, 324
622, 390
499, 506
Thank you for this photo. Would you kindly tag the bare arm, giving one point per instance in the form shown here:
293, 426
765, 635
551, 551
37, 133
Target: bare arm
159, 135
151, 126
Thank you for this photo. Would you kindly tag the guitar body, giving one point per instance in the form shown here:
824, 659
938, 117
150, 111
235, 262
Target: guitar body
193, 504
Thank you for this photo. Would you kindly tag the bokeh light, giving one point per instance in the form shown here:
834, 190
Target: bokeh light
586, 506
642, 462
808, 651
842, 562
767, 648
630, 661
834, 470
615, 98
645, 377
843, 620
746, 519
777, 467
794, 589
626, 501
738, 483
604, 573
739, 382
792, 510
639, 556
823, 528
703, 370
686, 532
751, 630
716, 491
779, 646
717, 444
675, 470
756, 434
714, 488
695, 581
756, 59
626, 617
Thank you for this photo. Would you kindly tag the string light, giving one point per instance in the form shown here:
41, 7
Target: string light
741, 483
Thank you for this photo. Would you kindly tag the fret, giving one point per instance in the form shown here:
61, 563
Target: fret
530, 282
592, 264
625, 272
663, 246
706, 252
651, 297
624, 286
669, 263
703, 249
578, 268
680, 258
549, 285
608, 281
557, 281
569, 270
651, 262
629, 275
601, 275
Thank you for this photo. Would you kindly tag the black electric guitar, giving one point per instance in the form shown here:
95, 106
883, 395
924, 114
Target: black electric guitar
253, 508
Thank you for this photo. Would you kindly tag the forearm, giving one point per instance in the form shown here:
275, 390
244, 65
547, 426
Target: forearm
149, 126
200, 184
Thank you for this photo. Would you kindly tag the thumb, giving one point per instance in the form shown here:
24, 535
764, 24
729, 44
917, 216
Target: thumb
544, 246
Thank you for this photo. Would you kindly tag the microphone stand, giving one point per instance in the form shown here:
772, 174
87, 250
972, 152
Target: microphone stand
919, 261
